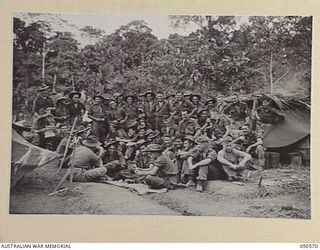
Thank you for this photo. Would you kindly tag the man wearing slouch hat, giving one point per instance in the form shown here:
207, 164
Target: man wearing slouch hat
87, 164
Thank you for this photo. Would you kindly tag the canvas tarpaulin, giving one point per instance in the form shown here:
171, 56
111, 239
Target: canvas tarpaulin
295, 127
26, 157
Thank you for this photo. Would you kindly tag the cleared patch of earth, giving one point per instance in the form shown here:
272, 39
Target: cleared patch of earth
283, 193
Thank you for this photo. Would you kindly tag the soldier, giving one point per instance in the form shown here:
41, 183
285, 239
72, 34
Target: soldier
220, 104
177, 106
62, 133
81, 132
148, 107
187, 176
142, 158
267, 114
141, 102
116, 113
61, 112
87, 164
118, 98
97, 113
130, 108
162, 172
155, 138
188, 126
131, 130
130, 137
76, 108
205, 123
115, 131
43, 128
142, 122
113, 159
202, 159
233, 161
237, 110
170, 98
196, 103
167, 142
174, 151
161, 111
220, 126
211, 105
43, 101
252, 143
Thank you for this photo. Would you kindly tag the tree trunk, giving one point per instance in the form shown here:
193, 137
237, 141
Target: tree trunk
43, 61
54, 82
73, 83
270, 74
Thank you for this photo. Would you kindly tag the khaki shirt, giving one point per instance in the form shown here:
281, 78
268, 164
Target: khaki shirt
85, 158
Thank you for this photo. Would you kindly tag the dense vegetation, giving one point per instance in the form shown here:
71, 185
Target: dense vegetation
263, 54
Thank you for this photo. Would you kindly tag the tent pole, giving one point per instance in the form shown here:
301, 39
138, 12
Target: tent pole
68, 142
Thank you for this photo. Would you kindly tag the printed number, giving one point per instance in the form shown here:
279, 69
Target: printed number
308, 245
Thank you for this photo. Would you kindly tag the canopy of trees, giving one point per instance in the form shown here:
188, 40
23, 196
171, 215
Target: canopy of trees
225, 55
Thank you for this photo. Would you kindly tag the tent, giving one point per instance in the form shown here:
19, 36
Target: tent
290, 135
25, 157
292, 129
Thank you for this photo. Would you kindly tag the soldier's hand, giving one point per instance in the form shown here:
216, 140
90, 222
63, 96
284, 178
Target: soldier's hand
240, 166
193, 166
101, 149
234, 166
242, 138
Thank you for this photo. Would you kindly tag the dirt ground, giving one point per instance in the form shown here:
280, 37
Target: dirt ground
284, 193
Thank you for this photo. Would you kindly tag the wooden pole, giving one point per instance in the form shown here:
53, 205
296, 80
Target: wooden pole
68, 142
54, 80
270, 73
70, 169
61, 181
75, 144
44, 53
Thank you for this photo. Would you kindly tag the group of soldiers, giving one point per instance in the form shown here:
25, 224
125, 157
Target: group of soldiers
164, 140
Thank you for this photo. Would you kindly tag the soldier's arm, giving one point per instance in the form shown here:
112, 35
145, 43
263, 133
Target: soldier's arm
34, 106
197, 129
277, 112
258, 142
245, 157
91, 116
152, 171
222, 160
204, 162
